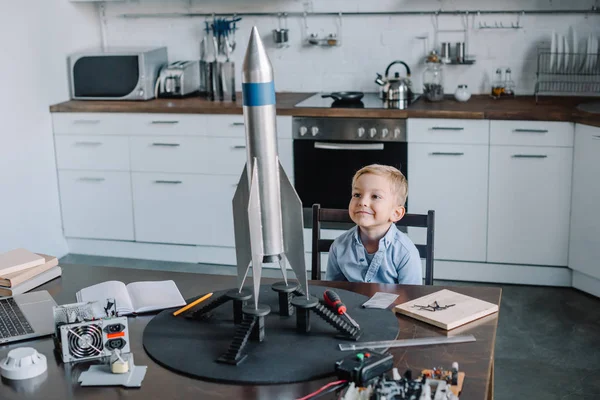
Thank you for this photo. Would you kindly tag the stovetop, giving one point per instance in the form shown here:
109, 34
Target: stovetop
370, 100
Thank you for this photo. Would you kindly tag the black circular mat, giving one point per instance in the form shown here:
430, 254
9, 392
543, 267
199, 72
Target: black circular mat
191, 347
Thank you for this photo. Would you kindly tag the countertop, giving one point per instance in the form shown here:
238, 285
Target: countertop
478, 107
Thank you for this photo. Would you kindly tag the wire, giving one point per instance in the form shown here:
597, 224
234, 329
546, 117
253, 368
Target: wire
335, 383
331, 389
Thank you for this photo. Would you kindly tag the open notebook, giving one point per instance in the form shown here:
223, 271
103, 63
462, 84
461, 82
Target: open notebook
136, 297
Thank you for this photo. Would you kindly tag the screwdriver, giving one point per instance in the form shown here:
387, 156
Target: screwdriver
333, 300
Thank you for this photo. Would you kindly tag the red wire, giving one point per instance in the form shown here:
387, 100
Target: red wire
323, 388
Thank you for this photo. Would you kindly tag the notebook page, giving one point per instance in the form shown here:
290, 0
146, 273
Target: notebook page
154, 295
110, 289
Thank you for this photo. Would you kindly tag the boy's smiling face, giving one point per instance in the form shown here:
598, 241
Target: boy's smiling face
374, 205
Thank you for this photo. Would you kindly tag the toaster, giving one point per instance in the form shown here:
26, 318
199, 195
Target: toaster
178, 79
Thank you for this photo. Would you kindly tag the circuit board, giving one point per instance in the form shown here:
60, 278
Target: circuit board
446, 375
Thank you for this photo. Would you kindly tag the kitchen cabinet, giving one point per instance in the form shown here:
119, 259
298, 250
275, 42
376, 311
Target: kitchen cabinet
530, 195
452, 180
448, 173
184, 208
176, 180
96, 204
584, 244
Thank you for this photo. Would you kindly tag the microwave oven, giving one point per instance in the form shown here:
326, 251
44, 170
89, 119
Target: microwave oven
115, 73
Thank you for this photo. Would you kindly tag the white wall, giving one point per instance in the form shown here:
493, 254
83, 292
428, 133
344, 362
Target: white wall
370, 43
35, 37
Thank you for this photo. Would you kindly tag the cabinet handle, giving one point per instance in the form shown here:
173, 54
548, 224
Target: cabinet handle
165, 122
88, 143
237, 124
596, 137
239, 146
87, 121
169, 182
447, 128
166, 144
91, 179
529, 156
439, 153
531, 130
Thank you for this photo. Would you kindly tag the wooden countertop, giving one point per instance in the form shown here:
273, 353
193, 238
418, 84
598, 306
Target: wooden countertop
478, 107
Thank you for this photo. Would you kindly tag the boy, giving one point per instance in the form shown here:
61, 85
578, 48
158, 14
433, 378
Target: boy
375, 250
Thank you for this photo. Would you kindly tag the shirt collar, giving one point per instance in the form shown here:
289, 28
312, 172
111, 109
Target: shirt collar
387, 239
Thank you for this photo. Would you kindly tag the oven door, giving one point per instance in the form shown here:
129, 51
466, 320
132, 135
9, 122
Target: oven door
323, 170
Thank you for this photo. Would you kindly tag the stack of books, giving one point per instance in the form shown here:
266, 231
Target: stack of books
22, 270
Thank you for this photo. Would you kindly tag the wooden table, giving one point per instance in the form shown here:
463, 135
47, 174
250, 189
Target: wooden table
475, 359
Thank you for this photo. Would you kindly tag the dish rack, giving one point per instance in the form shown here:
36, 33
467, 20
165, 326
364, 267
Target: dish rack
567, 73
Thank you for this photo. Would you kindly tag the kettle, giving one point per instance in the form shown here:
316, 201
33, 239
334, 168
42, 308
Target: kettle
397, 88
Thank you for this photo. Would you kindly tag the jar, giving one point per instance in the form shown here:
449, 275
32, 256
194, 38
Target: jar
462, 93
433, 81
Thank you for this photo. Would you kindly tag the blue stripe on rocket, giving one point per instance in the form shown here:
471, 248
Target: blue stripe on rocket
258, 94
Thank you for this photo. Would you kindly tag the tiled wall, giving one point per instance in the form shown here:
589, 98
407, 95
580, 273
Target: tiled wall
369, 43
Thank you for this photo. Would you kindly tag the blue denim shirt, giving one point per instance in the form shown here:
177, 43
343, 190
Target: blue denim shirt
396, 261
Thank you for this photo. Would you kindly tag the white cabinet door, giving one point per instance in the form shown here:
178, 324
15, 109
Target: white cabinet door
452, 180
584, 248
96, 204
529, 204
184, 208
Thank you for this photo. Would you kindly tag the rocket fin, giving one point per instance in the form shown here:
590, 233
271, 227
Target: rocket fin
256, 240
241, 227
293, 228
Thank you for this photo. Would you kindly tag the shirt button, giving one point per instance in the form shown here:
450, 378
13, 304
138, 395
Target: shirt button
362, 259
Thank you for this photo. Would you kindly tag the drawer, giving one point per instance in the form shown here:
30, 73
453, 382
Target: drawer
233, 126
532, 133
451, 131
184, 208
158, 124
128, 124
96, 204
219, 156
92, 152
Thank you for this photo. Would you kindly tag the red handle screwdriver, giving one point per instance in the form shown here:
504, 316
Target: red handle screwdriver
333, 300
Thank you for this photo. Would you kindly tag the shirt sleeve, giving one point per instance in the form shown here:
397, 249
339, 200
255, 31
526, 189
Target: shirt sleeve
334, 273
410, 269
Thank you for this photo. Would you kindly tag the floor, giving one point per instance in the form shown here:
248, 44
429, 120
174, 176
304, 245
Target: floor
547, 344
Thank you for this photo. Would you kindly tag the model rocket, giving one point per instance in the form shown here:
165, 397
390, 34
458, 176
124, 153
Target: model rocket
267, 211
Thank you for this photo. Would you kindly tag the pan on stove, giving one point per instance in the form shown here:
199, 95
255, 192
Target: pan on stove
345, 96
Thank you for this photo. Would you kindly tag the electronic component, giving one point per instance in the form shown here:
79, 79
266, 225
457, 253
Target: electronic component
93, 339
361, 367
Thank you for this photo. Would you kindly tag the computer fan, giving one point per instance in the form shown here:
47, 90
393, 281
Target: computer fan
93, 339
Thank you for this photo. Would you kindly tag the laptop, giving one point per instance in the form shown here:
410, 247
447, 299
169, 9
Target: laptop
26, 316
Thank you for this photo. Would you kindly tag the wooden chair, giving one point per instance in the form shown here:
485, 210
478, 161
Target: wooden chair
341, 216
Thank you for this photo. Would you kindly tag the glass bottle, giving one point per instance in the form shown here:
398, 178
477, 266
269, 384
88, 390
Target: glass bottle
433, 79
498, 84
509, 84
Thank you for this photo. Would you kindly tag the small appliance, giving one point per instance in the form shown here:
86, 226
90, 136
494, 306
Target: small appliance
115, 73
178, 79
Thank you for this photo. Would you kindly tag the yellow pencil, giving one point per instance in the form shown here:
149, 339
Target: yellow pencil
192, 304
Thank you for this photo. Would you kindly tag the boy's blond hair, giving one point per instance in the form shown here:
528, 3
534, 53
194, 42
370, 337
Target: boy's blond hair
394, 176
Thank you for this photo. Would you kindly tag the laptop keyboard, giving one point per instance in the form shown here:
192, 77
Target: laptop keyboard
12, 321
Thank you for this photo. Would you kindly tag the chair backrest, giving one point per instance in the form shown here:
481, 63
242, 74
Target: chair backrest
341, 216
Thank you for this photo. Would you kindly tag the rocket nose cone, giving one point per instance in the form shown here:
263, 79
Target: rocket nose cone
257, 66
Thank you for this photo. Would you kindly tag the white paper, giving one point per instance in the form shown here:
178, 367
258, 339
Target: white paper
105, 290
380, 300
154, 295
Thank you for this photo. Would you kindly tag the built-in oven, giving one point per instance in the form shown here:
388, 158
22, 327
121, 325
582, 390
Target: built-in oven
328, 151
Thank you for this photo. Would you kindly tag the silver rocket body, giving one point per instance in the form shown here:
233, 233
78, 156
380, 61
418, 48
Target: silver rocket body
267, 211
